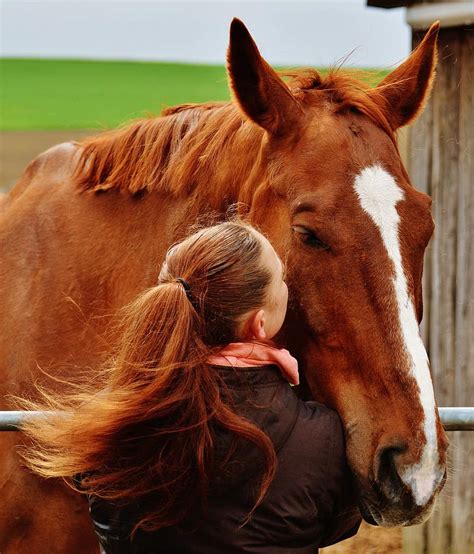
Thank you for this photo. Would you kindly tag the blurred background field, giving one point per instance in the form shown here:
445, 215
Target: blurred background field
85, 94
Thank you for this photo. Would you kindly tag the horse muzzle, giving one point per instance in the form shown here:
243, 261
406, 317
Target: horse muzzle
389, 500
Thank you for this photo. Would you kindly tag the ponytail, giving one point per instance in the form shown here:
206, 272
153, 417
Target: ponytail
161, 331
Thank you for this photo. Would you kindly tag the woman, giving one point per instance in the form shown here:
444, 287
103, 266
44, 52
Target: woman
192, 440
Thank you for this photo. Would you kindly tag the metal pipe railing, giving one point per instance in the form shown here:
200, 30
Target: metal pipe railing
12, 420
453, 419
457, 419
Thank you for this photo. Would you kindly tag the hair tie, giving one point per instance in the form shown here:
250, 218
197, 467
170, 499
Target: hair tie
187, 289
186, 285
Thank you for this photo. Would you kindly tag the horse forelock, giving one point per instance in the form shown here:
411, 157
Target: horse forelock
346, 91
187, 144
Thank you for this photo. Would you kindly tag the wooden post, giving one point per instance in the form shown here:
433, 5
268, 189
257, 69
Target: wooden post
440, 162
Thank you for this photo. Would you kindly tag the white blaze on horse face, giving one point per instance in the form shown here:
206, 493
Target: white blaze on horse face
379, 194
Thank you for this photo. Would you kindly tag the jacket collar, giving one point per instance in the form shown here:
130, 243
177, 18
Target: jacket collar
257, 376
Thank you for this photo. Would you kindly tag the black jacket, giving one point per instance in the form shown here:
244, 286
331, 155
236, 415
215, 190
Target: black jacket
310, 502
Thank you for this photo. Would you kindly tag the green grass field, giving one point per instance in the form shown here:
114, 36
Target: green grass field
75, 94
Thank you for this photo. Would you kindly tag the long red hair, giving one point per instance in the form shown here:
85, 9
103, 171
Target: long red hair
144, 431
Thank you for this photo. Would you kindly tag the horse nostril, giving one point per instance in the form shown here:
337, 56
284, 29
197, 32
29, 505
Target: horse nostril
387, 476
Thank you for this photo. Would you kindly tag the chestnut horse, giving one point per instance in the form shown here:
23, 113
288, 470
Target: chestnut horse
315, 161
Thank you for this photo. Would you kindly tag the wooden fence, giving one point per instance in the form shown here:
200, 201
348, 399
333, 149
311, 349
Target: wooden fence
441, 163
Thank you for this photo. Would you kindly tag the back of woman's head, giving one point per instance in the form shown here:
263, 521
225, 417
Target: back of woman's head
222, 266
147, 431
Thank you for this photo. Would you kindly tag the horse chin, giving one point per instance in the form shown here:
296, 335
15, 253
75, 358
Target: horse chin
368, 514
384, 514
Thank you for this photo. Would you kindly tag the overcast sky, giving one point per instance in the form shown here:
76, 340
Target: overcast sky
313, 32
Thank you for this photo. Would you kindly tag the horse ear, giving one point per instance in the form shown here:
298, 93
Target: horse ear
258, 89
403, 93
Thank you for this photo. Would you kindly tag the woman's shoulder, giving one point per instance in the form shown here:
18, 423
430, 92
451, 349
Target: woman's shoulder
318, 447
313, 482
323, 426
329, 479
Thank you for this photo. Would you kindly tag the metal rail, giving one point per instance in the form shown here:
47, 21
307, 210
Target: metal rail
454, 419
12, 420
457, 419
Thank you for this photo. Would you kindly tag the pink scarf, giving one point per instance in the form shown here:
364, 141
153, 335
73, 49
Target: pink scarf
249, 354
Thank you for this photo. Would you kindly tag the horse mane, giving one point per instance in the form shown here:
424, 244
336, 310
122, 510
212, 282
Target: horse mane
171, 153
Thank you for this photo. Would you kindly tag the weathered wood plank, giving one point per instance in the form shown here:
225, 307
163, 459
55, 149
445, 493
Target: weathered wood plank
463, 445
442, 188
441, 162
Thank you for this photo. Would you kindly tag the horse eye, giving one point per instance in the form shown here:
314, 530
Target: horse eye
309, 237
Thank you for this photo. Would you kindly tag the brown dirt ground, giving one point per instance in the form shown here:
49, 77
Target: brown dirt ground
370, 540
17, 148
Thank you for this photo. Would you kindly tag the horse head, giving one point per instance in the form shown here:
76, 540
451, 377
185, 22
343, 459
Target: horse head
337, 203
